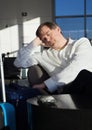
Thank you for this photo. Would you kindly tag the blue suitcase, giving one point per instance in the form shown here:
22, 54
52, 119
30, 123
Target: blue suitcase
9, 116
7, 110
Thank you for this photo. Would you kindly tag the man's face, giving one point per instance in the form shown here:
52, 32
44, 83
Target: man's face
50, 36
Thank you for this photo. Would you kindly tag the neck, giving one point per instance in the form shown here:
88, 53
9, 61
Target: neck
63, 44
66, 42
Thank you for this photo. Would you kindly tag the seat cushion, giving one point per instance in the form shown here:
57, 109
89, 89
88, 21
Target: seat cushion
36, 74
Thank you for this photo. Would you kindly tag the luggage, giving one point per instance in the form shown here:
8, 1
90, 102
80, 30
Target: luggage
7, 110
9, 116
1, 119
17, 96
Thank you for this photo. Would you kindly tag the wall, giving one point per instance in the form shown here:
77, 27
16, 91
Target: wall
19, 20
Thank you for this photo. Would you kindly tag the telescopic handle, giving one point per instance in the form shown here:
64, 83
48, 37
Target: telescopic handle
2, 79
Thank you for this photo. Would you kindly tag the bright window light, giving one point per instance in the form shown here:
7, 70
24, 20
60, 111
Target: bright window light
9, 40
29, 29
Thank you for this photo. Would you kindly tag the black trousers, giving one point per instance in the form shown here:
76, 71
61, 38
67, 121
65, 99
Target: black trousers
82, 84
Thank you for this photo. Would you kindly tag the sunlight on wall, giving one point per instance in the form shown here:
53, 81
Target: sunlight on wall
9, 39
29, 29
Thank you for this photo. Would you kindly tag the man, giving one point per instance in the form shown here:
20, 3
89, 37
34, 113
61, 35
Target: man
63, 60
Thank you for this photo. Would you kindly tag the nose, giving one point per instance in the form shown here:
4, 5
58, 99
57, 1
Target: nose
46, 39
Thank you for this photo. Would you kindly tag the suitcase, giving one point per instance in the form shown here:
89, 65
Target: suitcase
17, 95
1, 119
7, 109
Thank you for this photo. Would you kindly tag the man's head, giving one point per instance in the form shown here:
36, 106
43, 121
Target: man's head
50, 34
50, 25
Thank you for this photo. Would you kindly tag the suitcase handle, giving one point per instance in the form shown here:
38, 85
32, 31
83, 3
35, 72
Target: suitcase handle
2, 78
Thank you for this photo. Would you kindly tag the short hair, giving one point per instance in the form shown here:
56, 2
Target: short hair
50, 25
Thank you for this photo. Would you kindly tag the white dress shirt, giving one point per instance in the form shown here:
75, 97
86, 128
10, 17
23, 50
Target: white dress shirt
63, 66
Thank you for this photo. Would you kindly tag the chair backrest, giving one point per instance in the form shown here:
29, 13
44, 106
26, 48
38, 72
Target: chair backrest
10, 71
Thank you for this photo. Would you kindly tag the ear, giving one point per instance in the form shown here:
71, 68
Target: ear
58, 29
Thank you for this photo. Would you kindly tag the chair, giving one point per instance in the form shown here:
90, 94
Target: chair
36, 74
11, 72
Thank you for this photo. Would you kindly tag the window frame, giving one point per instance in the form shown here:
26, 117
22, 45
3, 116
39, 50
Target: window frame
85, 16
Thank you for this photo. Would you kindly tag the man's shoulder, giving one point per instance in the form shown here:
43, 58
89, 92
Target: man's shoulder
83, 39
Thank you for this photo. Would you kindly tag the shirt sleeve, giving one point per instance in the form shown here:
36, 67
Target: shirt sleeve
81, 59
26, 56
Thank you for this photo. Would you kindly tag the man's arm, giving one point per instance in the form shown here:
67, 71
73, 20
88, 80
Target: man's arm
25, 57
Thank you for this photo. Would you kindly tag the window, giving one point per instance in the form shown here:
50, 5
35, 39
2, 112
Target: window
74, 17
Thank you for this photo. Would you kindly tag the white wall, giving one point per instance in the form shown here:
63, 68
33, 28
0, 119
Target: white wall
16, 29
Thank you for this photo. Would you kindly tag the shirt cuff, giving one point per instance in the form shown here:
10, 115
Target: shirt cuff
51, 85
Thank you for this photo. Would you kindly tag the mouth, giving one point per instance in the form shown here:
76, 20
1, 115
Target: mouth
52, 45
49, 44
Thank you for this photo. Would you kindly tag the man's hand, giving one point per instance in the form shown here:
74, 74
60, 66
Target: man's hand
39, 86
37, 41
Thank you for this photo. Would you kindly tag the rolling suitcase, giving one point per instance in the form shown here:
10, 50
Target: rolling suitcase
7, 110
17, 96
